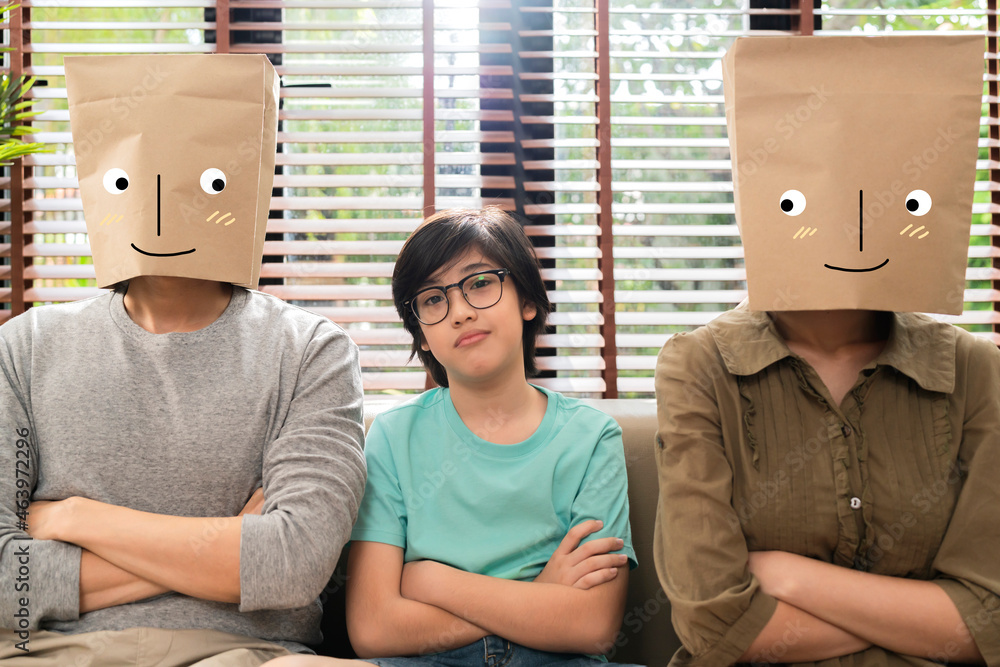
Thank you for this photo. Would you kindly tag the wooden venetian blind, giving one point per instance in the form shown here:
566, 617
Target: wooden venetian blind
677, 253
600, 122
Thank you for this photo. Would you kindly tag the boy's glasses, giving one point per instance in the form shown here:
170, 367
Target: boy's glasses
481, 290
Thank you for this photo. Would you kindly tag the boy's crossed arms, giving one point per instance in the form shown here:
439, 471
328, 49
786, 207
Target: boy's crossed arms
574, 605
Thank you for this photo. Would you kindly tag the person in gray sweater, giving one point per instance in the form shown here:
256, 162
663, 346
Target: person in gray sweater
181, 457
148, 418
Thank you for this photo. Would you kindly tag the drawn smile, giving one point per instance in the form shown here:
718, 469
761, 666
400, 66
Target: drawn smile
838, 268
169, 254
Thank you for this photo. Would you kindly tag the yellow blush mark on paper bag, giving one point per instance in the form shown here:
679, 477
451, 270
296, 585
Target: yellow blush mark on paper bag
221, 218
907, 229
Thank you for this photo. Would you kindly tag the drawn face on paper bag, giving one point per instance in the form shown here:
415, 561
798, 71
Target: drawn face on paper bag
854, 164
175, 157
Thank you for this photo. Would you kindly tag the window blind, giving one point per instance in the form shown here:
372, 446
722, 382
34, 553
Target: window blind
599, 122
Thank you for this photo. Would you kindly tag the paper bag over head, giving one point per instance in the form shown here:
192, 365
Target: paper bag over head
854, 163
175, 157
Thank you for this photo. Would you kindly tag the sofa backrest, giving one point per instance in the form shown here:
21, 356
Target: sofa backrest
646, 636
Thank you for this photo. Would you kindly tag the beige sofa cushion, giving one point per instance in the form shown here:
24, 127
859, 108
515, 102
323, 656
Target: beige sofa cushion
646, 637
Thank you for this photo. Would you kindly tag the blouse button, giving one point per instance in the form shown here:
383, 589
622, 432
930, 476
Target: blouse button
855, 503
846, 430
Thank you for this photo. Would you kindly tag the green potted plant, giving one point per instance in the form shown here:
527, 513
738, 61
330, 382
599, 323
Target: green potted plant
14, 109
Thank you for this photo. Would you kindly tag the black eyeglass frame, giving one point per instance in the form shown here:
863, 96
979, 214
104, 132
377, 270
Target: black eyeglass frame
411, 302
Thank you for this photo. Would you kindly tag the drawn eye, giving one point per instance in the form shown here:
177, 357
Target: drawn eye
793, 202
115, 181
213, 181
918, 203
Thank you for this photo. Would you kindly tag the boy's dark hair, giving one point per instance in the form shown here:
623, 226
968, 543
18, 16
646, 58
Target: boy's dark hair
445, 235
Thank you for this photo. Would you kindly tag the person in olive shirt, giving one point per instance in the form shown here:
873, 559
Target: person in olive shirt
827, 466
852, 456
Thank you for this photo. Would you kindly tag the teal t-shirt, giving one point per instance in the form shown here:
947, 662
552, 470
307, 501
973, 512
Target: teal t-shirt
441, 493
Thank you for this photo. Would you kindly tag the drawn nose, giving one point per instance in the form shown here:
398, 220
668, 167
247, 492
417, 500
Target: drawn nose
861, 220
157, 204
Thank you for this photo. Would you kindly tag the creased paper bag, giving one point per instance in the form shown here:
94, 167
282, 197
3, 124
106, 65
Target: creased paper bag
175, 157
854, 165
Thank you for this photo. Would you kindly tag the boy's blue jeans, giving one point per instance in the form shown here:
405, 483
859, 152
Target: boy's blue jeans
492, 651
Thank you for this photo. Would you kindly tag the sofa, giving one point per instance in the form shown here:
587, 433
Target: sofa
646, 637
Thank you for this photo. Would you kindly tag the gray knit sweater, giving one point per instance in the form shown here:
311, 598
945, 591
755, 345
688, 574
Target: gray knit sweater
186, 424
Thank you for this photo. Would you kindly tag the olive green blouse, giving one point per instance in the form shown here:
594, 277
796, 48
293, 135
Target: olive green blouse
901, 479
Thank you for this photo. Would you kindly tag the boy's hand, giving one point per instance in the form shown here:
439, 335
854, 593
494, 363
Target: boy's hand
255, 505
583, 566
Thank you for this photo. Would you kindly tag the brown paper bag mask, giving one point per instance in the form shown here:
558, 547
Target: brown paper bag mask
854, 165
175, 157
